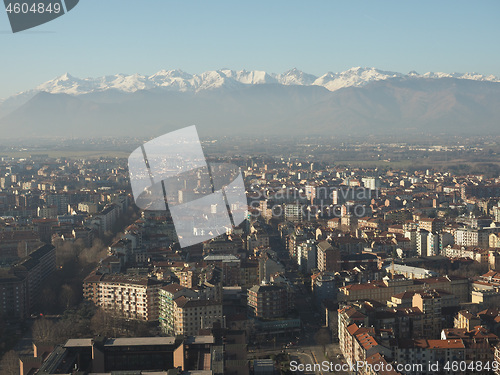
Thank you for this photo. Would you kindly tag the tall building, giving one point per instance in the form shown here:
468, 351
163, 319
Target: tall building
133, 297
328, 257
296, 237
422, 241
104, 221
293, 213
429, 302
191, 315
14, 302
60, 201
20, 285
494, 240
433, 244
496, 213
167, 295
431, 225
323, 287
371, 183
306, 256
269, 301
472, 237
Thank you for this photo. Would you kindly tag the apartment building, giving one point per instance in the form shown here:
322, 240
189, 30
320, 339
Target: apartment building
362, 337
20, 285
422, 352
167, 295
466, 320
494, 240
472, 237
323, 287
381, 291
191, 315
14, 303
306, 256
431, 225
133, 297
429, 302
269, 301
294, 213
328, 258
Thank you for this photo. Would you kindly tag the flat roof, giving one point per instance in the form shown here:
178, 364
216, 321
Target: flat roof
74, 343
140, 341
199, 340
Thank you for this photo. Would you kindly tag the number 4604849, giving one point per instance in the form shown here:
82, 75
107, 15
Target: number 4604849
25, 8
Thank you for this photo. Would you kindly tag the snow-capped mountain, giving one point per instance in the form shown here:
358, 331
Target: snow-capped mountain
67, 84
227, 102
353, 77
177, 80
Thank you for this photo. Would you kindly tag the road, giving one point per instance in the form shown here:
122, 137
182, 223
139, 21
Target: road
306, 350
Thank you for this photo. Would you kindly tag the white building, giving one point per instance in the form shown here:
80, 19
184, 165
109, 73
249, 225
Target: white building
306, 256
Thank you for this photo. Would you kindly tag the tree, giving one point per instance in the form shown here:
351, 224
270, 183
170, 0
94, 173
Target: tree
44, 330
104, 323
9, 365
48, 300
92, 255
67, 297
111, 323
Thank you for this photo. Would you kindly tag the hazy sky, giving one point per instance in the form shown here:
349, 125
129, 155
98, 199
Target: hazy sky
101, 37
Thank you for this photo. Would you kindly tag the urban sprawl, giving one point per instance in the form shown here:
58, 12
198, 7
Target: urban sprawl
334, 266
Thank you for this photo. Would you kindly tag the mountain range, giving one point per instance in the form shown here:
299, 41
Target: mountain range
356, 101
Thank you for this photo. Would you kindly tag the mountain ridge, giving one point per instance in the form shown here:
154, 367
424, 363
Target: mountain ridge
178, 80
408, 105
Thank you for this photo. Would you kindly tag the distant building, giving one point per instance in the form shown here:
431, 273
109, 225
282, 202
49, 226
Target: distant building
201, 355
306, 256
371, 183
328, 258
429, 302
323, 287
192, 315
184, 311
167, 295
381, 291
472, 237
466, 320
269, 301
294, 213
20, 286
133, 297
431, 225
410, 272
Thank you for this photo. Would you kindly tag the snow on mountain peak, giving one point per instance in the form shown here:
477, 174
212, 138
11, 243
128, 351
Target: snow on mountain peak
296, 77
66, 77
178, 80
356, 77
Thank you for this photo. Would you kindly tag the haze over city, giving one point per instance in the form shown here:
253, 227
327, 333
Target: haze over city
335, 209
